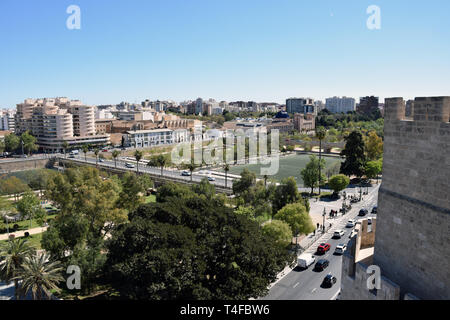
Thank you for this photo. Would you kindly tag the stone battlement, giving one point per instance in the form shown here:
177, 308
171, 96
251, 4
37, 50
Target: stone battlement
436, 109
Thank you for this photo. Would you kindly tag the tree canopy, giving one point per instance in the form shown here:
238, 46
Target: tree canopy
354, 153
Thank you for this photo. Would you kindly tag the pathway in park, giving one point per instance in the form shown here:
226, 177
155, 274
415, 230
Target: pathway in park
19, 234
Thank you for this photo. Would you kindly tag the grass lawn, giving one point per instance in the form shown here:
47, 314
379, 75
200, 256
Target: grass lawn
150, 198
33, 240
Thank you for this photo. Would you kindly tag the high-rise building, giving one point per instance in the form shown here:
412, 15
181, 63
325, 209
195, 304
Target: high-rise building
59, 120
7, 121
410, 242
199, 106
300, 105
340, 105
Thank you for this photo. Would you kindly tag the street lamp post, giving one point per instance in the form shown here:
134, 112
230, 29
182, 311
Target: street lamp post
324, 214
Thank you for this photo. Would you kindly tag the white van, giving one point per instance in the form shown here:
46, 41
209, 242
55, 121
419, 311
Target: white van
305, 260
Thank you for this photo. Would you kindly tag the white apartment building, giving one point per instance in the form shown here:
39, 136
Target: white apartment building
54, 121
156, 137
340, 105
7, 121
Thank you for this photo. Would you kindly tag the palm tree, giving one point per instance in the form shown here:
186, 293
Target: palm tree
39, 276
320, 134
115, 154
226, 168
65, 145
14, 253
85, 149
138, 156
96, 151
265, 180
191, 166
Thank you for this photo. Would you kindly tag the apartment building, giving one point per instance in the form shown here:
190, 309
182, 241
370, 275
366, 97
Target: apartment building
300, 105
7, 121
340, 105
54, 121
155, 137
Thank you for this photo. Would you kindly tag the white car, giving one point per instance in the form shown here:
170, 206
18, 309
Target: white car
185, 173
129, 165
350, 223
338, 234
211, 178
340, 248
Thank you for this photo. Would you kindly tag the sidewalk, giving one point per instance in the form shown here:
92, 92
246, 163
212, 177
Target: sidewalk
19, 234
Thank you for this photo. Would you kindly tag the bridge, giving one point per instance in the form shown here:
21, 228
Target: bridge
327, 146
168, 174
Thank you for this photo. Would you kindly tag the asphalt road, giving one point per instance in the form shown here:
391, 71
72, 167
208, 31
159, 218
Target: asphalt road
306, 284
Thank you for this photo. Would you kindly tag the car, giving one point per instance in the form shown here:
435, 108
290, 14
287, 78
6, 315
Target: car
369, 221
101, 160
185, 173
211, 179
71, 156
374, 210
129, 165
105, 150
340, 248
338, 234
350, 223
321, 265
323, 248
363, 212
329, 280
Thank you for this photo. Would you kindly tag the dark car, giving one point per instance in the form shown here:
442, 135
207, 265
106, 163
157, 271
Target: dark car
329, 280
363, 212
321, 265
374, 209
323, 247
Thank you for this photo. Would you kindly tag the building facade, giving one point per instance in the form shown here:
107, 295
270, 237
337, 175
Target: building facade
156, 137
7, 121
304, 122
340, 105
368, 105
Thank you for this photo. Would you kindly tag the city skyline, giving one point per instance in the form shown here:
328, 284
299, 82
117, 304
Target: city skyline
230, 50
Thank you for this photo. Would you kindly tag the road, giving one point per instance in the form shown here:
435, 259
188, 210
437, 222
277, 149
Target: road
196, 177
306, 284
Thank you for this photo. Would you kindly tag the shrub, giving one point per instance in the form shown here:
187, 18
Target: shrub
27, 234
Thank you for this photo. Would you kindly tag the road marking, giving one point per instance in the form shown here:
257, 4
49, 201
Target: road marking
313, 290
296, 284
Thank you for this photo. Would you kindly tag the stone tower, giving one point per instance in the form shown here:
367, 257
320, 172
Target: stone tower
412, 241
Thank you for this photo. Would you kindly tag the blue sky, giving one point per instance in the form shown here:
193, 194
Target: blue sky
228, 50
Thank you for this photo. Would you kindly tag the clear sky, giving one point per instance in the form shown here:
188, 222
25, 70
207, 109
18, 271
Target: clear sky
228, 50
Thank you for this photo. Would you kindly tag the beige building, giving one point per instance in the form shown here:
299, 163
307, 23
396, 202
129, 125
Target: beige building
304, 122
411, 243
58, 120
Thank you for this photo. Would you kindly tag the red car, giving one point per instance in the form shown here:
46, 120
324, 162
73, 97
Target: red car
323, 247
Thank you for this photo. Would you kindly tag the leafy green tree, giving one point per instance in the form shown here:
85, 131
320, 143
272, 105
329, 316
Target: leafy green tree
311, 174
39, 276
12, 142
27, 204
14, 186
374, 146
205, 188
131, 194
354, 154
279, 231
14, 253
2, 146
373, 169
286, 192
247, 211
338, 183
297, 217
29, 142
247, 180
169, 190
192, 248
159, 161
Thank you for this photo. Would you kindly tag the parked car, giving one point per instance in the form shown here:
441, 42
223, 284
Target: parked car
129, 165
323, 248
185, 173
374, 210
321, 265
340, 248
363, 212
329, 280
338, 234
305, 260
350, 223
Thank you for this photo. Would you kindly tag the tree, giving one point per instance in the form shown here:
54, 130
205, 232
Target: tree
96, 152
159, 161
13, 253
286, 192
247, 180
2, 146
138, 156
26, 205
5, 207
338, 183
279, 231
29, 142
297, 217
192, 248
226, 168
191, 166
115, 154
311, 174
131, 194
373, 169
12, 142
39, 275
320, 134
354, 155
85, 149
14, 186
374, 146
65, 145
